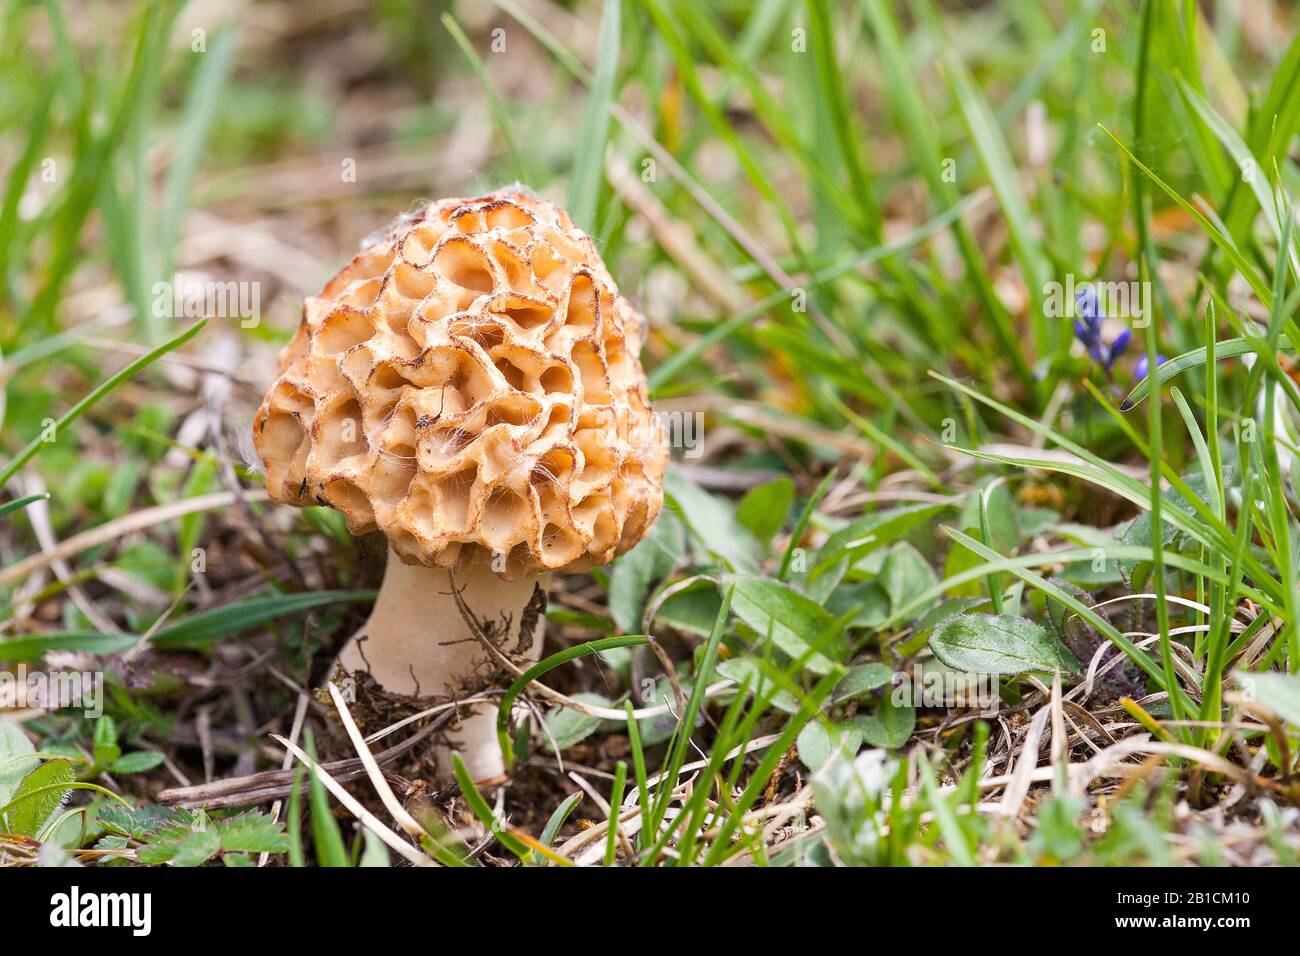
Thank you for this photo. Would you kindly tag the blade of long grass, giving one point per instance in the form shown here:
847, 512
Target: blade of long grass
1153, 669
1226, 348
11, 506
589, 161
201, 105
615, 803
995, 157
77, 410
686, 723
523, 171
1216, 235
326, 836
540, 668
638, 769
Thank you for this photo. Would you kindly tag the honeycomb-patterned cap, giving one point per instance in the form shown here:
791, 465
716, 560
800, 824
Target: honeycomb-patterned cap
469, 384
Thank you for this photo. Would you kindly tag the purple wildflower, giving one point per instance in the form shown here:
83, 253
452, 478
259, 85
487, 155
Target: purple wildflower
1087, 329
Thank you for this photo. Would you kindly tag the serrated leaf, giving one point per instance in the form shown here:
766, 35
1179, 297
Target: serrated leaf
39, 796
163, 842
116, 818
792, 619
252, 833
197, 848
999, 644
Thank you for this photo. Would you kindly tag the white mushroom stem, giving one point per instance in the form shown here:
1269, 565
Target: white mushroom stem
417, 641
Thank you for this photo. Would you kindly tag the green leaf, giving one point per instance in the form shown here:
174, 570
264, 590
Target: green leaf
34, 647
1240, 153
941, 612
646, 564
905, 575
11, 506
889, 726
1138, 531
116, 818
861, 679
995, 157
201, 107
866, 598
1278, 693
206, 627
692, 609
373, 854
1227, 348
763, 510
194, 632
818, 742
197, 847
544, 666
568, 726
1000, 512
252, 833
38, 797
712, 522
999, 644
792, 619
1224, 242
106, 749
748, 668
138, 762
14, 762
1058, 836
877, 530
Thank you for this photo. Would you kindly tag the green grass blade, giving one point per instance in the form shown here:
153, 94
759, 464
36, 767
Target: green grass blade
103, 389
589, 161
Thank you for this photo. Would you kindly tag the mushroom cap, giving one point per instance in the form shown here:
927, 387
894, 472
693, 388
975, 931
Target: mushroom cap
469, 384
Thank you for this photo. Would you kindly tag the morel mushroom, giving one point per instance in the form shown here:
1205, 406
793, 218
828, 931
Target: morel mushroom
470, 386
